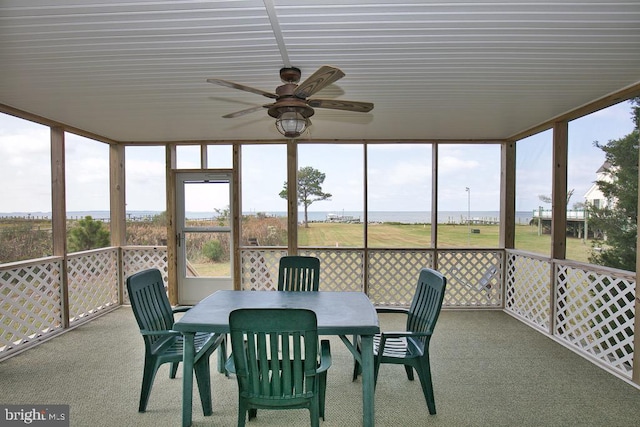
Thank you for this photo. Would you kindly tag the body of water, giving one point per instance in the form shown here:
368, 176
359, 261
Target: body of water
410, 217
407, 217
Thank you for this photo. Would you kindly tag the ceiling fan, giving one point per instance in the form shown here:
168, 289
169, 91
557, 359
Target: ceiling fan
291, 108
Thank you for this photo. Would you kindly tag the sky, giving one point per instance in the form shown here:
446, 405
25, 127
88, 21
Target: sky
399, 175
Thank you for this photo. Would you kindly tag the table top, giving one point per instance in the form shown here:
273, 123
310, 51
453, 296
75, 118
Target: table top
338, 313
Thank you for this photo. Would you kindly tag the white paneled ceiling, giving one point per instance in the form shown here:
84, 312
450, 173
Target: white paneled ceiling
136, 70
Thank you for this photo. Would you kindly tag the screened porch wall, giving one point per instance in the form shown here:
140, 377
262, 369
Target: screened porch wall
587, 308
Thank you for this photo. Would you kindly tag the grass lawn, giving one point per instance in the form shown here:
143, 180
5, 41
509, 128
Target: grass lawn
393, 235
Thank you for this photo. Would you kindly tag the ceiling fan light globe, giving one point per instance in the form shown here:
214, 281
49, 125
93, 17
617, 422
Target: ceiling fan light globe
291, 124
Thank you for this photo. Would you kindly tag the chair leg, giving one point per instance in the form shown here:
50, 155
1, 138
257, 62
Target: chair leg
222, 357
409, 371
322, 393
203, 378
356, 370
376, 369
148, 375
242, 413
424, 373
314, 412
174, 369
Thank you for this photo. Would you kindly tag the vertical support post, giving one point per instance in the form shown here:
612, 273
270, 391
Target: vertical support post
434, 203
172, 259
365, 272
508, 195
117, 207
559, 191
59, 215
635, 374
507, 206
292, 196
117, 195
558, 210
237, 215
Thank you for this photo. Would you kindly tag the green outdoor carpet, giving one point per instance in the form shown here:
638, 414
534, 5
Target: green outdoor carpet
489, 369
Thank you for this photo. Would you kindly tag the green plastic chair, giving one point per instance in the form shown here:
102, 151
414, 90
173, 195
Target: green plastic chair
299, 273
162, 344
277, 361
411, 348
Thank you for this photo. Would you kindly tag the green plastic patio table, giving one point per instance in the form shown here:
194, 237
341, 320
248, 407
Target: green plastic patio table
339, 313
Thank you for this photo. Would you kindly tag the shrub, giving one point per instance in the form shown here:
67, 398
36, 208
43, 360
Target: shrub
87, 233
213, 250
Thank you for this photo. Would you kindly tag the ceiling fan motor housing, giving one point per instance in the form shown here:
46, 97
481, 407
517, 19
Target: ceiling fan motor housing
287, 101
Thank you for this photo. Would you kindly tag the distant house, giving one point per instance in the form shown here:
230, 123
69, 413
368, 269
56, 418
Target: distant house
594, 197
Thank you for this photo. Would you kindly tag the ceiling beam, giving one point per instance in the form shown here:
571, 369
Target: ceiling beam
589, 108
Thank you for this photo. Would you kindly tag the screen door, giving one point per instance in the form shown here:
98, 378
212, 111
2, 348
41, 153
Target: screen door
204, 238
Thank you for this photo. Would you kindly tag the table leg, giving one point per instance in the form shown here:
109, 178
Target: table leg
189, 352
368, 386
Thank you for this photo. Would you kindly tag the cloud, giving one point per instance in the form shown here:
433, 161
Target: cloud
451, 164
25, 170
407, 173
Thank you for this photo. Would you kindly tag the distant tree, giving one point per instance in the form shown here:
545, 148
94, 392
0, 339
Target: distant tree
223, 216
618, 221
86, 234
160, 219
547, 199
310, 182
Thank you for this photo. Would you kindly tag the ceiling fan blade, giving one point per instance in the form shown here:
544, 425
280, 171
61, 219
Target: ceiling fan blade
247, 111
242, 87
338, 104
323, 77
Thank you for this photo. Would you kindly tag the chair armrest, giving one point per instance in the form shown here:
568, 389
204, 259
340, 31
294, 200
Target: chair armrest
165, 332
403, 334
180, 309
393, 310
415, 344
325, 356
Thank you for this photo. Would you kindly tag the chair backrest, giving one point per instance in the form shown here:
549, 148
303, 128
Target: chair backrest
150, 305
299, 273
262, 342
427, 302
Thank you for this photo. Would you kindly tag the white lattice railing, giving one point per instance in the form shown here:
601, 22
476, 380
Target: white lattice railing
138, 258
30, 304
528, 288
92, 282
474, 276
341, 269
595, 313
392, 274
259, 268
594, 306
